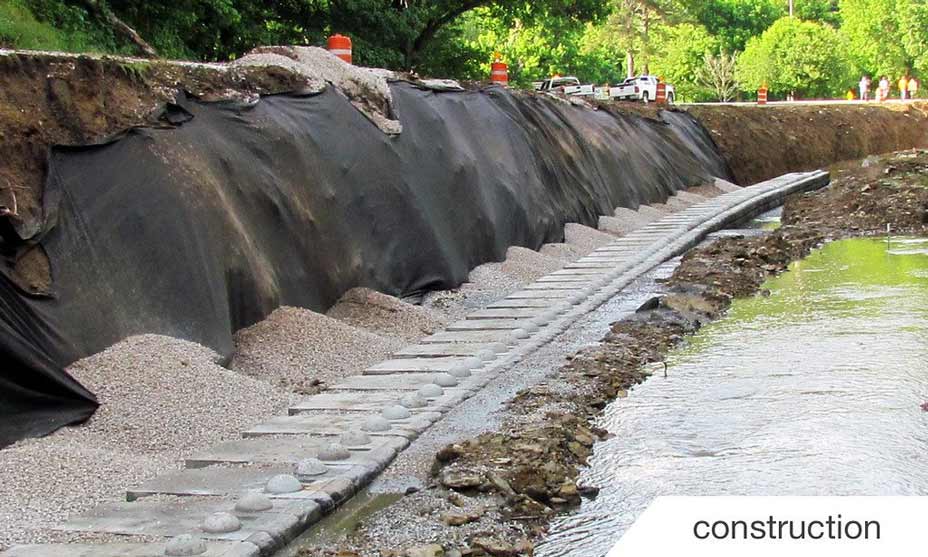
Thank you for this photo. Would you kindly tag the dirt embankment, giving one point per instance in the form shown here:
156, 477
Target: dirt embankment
762, 143
51, 99
499, 490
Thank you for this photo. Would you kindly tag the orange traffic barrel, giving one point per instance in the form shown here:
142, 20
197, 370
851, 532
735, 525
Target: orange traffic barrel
661, 93
340, 46
762, 95
499, 73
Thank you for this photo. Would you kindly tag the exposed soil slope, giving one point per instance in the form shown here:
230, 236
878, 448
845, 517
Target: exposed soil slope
762, 143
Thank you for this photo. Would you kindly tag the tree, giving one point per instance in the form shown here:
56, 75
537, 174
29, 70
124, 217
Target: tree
793, 56
872, 31
887, 37
718, 73
679, 58
631, 23
734, 22
912, 16
535, 48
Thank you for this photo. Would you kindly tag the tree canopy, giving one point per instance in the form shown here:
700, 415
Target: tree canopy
795, 56
705, 47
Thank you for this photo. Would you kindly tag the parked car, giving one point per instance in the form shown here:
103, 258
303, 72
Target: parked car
567, 85
641, 88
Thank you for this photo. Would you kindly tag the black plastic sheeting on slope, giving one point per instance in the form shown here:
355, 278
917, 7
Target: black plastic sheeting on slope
200, 230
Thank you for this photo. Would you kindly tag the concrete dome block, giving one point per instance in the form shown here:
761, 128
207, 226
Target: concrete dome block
283, 483
253, 502
354, 439
333, 451
459, 371
486, 355
395, 412
444, 380
430, 390
185, 545
310, 467
221, 523
413, 400
376, 424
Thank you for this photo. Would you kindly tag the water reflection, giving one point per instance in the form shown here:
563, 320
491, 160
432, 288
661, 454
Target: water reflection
814, 390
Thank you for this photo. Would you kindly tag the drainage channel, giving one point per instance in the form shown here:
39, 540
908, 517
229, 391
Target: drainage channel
814, 389
295, 469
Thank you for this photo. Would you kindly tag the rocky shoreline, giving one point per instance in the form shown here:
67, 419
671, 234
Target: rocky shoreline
494, 494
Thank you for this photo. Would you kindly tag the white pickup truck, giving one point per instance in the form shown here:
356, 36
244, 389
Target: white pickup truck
641, 88
568, 85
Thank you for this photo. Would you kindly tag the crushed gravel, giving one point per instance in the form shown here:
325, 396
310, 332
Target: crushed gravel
491, 281
368, 91
690, 197
725, 185
564, 252
586, 238
527, 266
385, 315
624, 221
677, 203
160, 399
652, 212
302, 351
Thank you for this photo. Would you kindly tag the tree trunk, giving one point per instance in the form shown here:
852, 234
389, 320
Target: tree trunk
630, 64
646, 42
100, 8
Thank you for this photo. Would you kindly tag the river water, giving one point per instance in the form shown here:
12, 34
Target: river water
814, 390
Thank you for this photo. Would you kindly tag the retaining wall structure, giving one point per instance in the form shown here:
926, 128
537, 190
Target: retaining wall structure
250, 497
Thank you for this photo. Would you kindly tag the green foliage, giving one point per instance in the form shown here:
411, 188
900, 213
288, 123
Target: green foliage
683, 51
887, 37
689, 42
734, 22
535, 48
873, 37
52, 25
804, 57
912, 18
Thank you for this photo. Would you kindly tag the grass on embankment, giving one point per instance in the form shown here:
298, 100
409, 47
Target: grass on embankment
46, 25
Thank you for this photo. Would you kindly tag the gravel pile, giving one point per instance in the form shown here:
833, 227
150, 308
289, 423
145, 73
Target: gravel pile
585, 238
725, 185
624, 221
707, 191
160, 399
367, 90
491, 281
385, 315
690, 197
564, 252
301, 351
650, 212
527, 266
677, 203
662, 208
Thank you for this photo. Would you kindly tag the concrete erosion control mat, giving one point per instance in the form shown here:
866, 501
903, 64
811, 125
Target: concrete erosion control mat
202, 228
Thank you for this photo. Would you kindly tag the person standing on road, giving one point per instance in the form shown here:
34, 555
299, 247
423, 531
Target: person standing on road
883, 91
903, 87
864, 87
913, 87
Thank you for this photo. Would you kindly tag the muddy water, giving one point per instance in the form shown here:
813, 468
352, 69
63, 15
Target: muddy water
813, 390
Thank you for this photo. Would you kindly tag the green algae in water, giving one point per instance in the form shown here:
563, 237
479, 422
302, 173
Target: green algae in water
814, 390
856, 276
